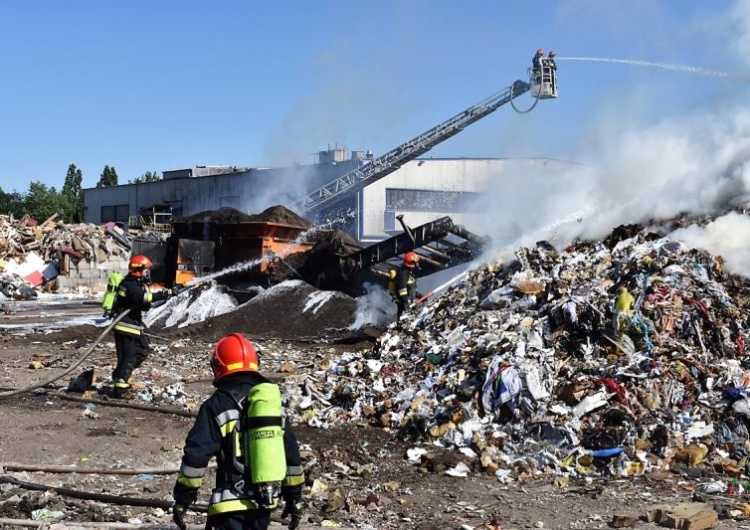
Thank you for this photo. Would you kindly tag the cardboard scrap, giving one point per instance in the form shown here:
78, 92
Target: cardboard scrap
683, 516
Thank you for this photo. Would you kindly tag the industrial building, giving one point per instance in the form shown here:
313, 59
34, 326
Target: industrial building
422, 189
359, 194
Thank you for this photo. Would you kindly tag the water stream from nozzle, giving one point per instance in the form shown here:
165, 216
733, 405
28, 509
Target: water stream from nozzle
665, 66
251, 264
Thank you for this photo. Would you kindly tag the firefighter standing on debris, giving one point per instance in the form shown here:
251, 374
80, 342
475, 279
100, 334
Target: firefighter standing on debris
131, 343
623, 309
215, 433
406, 283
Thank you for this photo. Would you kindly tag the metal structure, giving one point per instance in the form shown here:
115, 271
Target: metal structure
386, 164
156, 218
543, 82
440, 244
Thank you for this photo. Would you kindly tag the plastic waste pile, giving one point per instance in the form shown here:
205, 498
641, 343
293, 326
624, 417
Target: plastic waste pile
614, 358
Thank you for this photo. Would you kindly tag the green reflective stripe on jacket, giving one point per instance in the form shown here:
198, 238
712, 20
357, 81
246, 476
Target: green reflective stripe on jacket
227, 428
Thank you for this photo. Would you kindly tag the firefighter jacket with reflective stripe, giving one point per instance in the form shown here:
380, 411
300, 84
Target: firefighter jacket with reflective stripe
132, 294
215, 434
407, 285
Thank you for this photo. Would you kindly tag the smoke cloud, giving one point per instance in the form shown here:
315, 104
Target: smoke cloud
374, 308
727, 236
635, 170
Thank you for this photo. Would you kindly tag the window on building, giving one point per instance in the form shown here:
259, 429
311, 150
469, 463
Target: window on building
117, 213
430, 200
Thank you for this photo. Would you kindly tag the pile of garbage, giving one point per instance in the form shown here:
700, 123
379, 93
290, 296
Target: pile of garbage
616, 358
33, 254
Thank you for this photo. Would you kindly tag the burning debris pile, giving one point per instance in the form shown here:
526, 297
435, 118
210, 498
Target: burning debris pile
615, 357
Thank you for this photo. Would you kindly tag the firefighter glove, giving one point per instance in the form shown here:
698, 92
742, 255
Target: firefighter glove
178, 516
293, 506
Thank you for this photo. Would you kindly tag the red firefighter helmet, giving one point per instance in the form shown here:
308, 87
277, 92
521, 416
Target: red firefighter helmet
552, 53
540, 51
411, 259
138, 265
232, 354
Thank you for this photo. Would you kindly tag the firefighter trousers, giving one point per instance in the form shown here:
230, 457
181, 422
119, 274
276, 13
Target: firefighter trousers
132, 350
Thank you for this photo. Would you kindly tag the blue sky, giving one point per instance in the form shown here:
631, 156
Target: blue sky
150, 86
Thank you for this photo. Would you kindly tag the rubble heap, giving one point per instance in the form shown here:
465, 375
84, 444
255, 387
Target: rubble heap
228, 215
33, 254
615, 357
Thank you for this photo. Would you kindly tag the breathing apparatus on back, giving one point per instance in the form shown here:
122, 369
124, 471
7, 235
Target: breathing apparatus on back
108, 300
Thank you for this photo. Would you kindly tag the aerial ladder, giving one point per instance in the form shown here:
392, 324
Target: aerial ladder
384, 165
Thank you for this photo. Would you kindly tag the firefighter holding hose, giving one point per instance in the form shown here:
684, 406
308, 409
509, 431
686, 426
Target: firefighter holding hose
133, 296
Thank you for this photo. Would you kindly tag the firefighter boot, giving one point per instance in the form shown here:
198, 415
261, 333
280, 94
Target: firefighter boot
121, 390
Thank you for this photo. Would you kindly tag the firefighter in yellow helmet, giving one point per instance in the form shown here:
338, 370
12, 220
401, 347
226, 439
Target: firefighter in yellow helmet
131, 344
406, 283
217, 433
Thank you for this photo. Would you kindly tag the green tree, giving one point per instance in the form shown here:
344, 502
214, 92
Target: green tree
72, 195
107, 178
11, 203
42, 202
148, 176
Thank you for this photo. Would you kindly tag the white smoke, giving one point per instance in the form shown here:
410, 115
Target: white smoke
727, 236
374, 308
739, 16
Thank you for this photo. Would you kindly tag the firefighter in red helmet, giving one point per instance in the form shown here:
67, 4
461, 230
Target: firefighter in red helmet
406, 283
536, 65
216, 432
536, 61
131, 344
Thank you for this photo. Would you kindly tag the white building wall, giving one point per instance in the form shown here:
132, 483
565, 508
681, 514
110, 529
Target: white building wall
448, 175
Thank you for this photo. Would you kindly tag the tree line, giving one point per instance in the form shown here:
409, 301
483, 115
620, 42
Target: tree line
42, 202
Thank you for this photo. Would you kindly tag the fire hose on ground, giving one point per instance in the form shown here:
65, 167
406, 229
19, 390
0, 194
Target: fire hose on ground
73, 366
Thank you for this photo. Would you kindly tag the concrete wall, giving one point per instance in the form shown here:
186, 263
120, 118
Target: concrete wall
90, 277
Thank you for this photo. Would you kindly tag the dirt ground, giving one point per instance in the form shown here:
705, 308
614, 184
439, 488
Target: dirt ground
359, 476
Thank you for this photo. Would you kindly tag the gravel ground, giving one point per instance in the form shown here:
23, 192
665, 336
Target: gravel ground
358, 475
